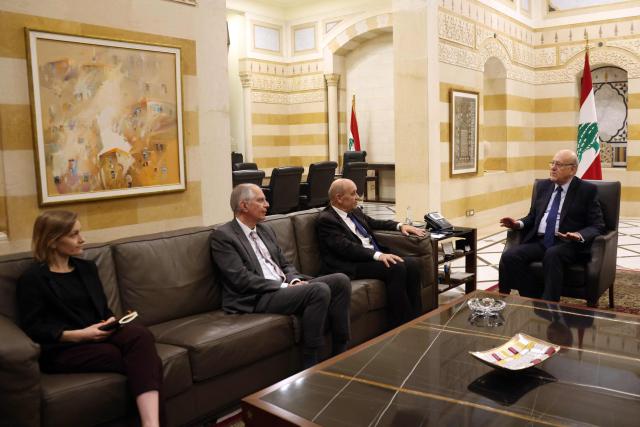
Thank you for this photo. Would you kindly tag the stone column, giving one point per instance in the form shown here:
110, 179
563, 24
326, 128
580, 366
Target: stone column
245, 79
332, 106
416, 106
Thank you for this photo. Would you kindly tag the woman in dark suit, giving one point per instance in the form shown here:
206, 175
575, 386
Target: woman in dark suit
63, 307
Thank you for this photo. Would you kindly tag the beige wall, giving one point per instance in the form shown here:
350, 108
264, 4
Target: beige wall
369, 76
200, 33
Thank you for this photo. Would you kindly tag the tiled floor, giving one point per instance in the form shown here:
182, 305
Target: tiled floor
490, 248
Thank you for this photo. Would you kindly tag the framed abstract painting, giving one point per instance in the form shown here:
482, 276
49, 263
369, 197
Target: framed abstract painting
107, 117
464, 132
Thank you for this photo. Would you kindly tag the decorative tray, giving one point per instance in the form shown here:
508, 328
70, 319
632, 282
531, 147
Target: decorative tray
520, 352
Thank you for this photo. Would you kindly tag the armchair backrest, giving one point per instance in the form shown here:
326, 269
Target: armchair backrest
319, 180
245, 166
609, 198
284, 189
236, 158
248, 176
353, 156
356, 172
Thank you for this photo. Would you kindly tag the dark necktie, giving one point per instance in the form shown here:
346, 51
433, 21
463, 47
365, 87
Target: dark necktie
267, 256
550, 230
363, 231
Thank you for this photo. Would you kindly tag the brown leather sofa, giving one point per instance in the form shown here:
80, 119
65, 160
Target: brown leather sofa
211, 359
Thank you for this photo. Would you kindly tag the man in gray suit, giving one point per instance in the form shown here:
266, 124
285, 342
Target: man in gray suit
257, 278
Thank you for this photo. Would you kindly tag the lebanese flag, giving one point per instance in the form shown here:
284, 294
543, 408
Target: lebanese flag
354, 136
588, 149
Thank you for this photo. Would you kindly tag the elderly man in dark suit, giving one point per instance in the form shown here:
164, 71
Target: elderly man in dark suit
348, 246
257, 278
562, 222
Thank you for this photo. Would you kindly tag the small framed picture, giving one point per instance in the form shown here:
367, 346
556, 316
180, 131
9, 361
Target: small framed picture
447, 248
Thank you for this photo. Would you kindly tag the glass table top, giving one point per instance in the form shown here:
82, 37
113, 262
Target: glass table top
422, 373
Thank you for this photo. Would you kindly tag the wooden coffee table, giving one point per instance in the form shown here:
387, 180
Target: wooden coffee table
421, 374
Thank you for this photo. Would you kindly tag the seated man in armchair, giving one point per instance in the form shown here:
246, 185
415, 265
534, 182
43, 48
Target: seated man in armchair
562, 222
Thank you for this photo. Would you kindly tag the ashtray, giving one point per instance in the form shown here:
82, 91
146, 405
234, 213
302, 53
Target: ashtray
486, 306
492, 320
520, 352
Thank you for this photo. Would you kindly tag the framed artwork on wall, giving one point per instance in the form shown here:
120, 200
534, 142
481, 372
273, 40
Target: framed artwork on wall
464, 132
107, 117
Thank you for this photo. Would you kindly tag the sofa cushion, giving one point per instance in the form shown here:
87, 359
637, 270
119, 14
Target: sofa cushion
375, 291
359, 299
219, 342
286, 237
101, 255
84, 399
304, 225
167, 276
176, 369
11, 267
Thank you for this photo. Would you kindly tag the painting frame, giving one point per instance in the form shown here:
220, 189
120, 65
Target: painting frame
159, 168
463, 131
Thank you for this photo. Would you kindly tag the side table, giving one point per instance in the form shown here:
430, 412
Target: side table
468, 237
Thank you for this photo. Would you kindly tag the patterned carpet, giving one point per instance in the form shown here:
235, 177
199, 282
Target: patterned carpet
626, 293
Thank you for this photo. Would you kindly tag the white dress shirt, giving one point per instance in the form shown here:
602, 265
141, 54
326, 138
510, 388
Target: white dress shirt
543, 222
366, 241
268, 271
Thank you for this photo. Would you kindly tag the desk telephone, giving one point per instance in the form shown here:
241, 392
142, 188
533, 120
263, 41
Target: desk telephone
437, 222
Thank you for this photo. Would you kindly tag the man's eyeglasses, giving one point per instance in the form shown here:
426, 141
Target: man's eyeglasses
560, 165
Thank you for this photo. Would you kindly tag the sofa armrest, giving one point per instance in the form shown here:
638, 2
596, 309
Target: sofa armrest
19, 376
419, 247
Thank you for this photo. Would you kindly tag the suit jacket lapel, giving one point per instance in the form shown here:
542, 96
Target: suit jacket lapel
547, 192
270, 244
568, 198
242, 238
343, 224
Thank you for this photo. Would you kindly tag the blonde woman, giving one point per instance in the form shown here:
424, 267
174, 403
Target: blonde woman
63, 307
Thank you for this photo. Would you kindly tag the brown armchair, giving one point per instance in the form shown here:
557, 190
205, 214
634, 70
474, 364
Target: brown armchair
589, 281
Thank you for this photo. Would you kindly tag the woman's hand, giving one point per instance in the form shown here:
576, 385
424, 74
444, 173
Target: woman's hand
91, 333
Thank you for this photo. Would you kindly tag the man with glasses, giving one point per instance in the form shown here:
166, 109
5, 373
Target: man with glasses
258, 278
562, 222
347, 245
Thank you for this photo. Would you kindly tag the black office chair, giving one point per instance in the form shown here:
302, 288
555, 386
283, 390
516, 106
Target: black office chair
589, 280
283, 191
353, 156
236, 158
314, 192
245, 166
356, 172
248, 176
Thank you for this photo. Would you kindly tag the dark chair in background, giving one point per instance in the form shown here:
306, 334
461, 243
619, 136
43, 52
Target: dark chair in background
314, 192
353, 156
283, 191
589, 280
236, 158
356, 172
248, 176
245, 166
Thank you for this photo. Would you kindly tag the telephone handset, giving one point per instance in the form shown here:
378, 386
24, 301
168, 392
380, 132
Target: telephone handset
437, 222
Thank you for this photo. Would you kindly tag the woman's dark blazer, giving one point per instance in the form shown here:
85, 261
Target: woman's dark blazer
43, 315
